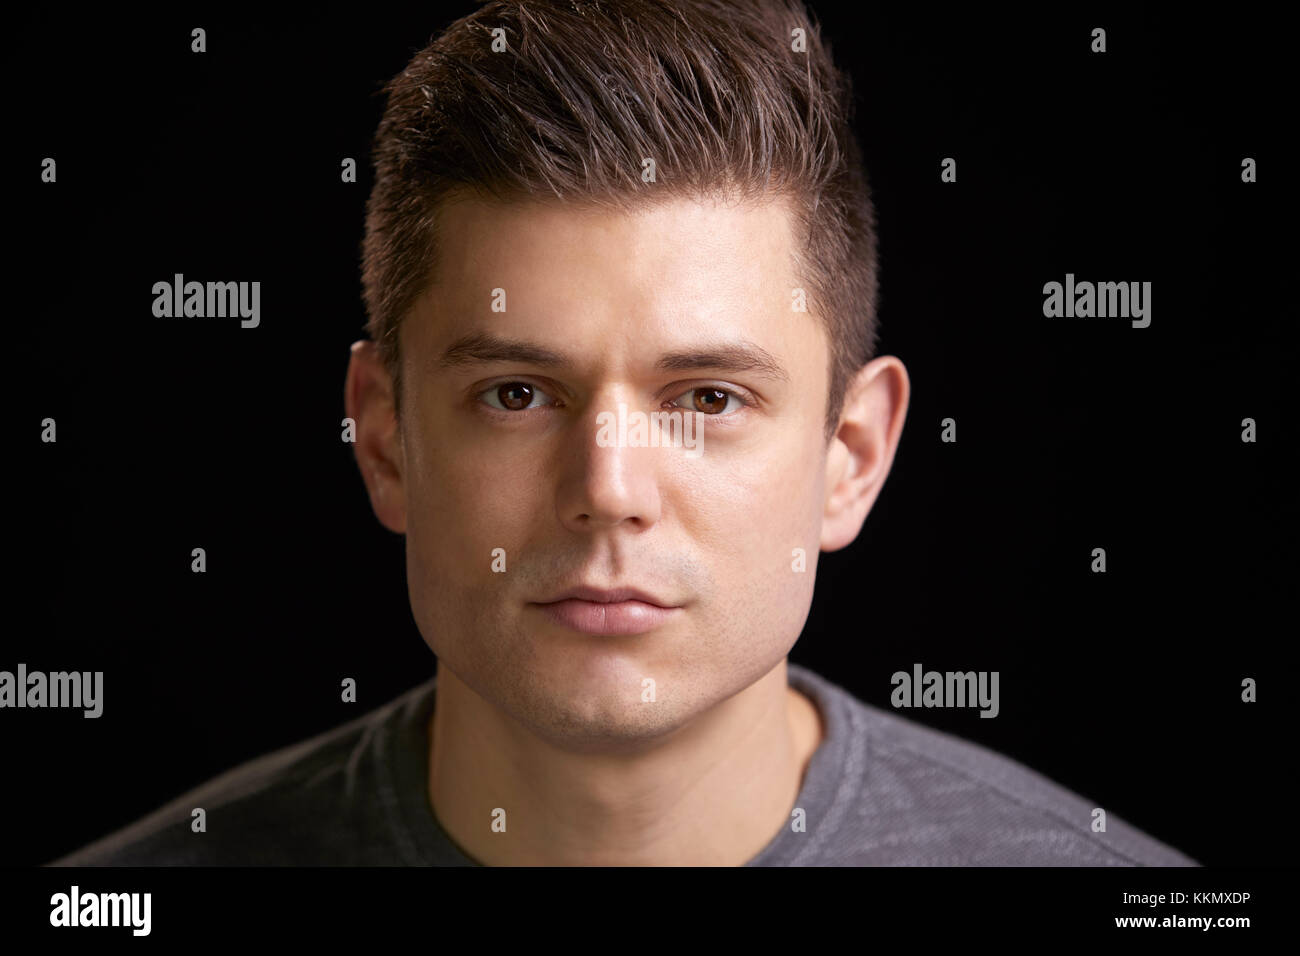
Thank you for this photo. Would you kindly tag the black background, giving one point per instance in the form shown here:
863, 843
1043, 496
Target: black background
1073, 434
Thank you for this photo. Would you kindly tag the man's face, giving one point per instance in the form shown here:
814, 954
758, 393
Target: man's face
502, 463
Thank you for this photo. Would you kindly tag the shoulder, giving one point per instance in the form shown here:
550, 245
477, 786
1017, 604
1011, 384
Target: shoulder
297, 804
931, 797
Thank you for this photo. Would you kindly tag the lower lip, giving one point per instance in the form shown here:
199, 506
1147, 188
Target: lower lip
618, 617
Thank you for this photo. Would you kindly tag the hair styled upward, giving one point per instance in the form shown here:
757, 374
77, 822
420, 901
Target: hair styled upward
711, 90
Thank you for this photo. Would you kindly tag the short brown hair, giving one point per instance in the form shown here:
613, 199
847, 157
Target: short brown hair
711, 89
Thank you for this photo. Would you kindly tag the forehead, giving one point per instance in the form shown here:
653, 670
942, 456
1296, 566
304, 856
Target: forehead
702, 248
618, 288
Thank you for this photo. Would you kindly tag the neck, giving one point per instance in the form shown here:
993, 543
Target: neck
713, 793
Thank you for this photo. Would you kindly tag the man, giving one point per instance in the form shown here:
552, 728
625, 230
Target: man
620, 269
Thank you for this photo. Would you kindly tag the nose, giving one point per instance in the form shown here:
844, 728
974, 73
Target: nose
609, 482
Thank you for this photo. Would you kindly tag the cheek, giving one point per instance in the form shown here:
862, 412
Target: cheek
466, 495
756, 502
468, 515
756, 522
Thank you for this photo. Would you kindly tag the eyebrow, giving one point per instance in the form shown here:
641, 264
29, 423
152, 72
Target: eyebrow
738, 357
484, 347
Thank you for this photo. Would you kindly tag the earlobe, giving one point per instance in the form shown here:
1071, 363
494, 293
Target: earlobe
368, 399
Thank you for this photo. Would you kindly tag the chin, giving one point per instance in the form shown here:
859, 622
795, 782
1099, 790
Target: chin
594, 718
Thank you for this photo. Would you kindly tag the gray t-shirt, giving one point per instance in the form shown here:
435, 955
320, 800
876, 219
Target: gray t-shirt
880, 790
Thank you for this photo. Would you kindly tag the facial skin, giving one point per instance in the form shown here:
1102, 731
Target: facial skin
550, 723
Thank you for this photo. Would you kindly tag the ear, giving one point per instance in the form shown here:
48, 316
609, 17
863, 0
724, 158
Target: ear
862, 450
368, 399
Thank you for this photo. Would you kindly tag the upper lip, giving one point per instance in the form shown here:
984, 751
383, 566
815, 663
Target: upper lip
606, 596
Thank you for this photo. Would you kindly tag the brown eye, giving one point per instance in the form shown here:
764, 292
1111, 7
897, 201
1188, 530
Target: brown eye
707, 400
710, 401
515, 396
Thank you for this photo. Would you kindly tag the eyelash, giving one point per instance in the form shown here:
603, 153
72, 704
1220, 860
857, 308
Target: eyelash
744, 400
